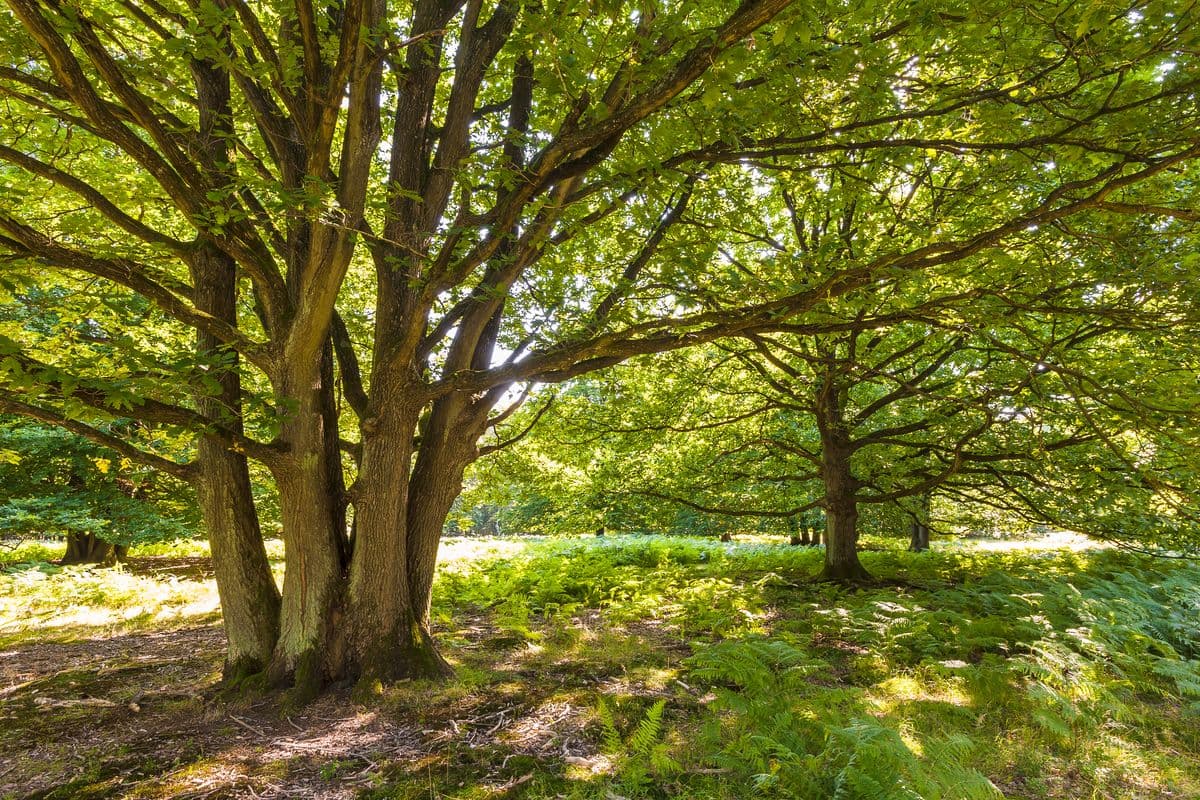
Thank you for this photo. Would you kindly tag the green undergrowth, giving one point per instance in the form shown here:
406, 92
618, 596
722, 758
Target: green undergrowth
41, 601
68, 603
654, 667
32, 551
960, 674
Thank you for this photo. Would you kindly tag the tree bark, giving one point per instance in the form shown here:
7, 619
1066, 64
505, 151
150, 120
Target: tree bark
87, 548
249, 596
919, 528
384, 638
841, 545
307, 654
365, 618
840, 502
448, 445
245, 584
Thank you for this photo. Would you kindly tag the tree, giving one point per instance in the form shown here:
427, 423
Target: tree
912, 388
518, 221
901, 410
56, 483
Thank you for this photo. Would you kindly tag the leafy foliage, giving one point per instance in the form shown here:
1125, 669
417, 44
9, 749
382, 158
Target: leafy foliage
57, 483
641, 756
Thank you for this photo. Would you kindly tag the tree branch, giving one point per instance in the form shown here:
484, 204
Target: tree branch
186, 472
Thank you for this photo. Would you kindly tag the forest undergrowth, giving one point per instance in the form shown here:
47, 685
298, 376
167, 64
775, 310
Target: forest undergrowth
635, 667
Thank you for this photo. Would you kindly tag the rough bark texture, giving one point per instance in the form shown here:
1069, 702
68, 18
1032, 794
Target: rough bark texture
364, 619
310, 506
448, 445
841, 546
249, 596
382, 637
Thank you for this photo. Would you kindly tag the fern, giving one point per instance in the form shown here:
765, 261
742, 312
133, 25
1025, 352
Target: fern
642, 755
611, 737
647, 732
1185, 675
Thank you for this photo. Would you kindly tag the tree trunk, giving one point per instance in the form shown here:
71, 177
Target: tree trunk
362, 614
385, 637
87, 548
797, 532
840, 502
249, 596
841, 545
448, 445
918, 537
307, 654
919, 528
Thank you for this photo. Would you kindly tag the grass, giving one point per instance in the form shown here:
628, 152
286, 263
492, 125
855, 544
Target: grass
648, 667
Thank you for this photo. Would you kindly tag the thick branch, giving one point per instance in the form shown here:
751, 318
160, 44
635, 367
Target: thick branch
9, 405
161, 289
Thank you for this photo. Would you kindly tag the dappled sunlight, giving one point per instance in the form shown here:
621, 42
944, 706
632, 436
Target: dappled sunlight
101, 598
554, 727
453, 549
344, 738
587, 668
1054, 540
893, 692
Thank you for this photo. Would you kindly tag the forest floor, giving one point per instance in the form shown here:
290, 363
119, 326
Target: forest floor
631, 667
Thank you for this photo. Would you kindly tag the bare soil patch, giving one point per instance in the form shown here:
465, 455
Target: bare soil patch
139, 716
188, 567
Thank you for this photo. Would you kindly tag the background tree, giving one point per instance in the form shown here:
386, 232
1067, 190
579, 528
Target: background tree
1002, 401
56, 483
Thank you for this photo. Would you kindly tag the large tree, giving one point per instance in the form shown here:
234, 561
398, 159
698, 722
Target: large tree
433, 202
1058, 392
